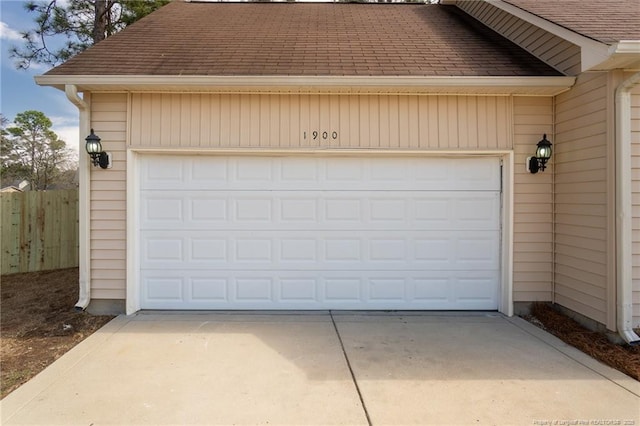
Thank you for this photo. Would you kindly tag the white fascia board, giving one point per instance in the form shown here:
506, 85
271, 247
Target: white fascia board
548, 86
625, 54
592, 51
626, 47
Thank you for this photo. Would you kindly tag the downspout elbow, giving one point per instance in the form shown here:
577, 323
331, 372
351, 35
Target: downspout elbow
629, 336
72, 94
624, 244
84, 284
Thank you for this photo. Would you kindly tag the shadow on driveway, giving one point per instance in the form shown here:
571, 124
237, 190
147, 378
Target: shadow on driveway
295, 369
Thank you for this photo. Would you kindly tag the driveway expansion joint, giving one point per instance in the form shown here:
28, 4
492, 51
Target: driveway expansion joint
353, 376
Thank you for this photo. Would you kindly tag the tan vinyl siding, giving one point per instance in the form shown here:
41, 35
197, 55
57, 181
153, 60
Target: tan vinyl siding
430, 123
532, 263
581, 218
555, 51
108, 199
635, 200
350, 121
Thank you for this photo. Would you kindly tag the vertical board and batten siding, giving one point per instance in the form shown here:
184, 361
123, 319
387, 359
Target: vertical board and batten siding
581, 218
108, 199
429, 123
342, 121
555, 51
635, 200
532, 232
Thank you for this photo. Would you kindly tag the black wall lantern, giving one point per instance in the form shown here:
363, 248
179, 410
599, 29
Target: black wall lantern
94, 149
543, 153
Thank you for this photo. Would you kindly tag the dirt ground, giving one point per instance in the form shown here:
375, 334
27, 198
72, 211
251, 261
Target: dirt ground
38, 324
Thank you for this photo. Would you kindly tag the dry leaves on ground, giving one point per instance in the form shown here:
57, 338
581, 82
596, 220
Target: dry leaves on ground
38, 323
621, 357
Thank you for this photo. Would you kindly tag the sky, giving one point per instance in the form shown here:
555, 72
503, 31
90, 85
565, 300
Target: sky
18, 90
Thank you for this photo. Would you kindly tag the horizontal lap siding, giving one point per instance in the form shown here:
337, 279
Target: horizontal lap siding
580, 157
350, 122
532, 263
555, 51
635, 200
108, 199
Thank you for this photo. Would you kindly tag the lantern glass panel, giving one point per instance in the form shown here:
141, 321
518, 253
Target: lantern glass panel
543, 151
94, 146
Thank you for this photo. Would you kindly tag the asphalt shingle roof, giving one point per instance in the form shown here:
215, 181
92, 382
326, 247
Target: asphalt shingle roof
305, 39
607, 21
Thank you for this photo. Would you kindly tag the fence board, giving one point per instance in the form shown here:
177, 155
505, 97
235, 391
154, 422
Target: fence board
39, 231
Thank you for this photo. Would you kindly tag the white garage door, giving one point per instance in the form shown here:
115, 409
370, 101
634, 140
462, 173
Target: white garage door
319, 232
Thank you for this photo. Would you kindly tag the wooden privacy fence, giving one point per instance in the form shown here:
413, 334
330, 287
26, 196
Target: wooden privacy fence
39, 230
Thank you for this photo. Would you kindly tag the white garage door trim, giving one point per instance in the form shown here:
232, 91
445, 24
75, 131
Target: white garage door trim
134, 226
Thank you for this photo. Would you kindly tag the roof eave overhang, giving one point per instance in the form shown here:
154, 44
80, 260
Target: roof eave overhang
594, 55
533, 86
624, 54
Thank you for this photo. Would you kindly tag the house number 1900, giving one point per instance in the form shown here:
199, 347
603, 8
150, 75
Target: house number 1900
315, 135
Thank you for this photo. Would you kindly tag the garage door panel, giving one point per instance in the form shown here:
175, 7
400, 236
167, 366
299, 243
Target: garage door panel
253, 210
208, 289
253, 232
388, 209
307, 173
200, 171
320, 210
341, 289
335, 290
203, 249
249, 170
336, 250
164, 250
476, 252
163, 171
474, 289
294, 169
299, 249
254, 289
390, 249
295, 289
209, 209
391, 289
254, 250
163, 289
299, 210
167, 209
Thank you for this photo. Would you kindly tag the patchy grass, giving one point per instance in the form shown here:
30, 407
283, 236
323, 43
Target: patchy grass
38, 323
624, 358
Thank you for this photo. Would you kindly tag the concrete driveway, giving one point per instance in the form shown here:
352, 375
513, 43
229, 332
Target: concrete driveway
324, 369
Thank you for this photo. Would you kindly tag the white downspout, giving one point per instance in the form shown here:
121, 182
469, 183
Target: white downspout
624, 246
84, 203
